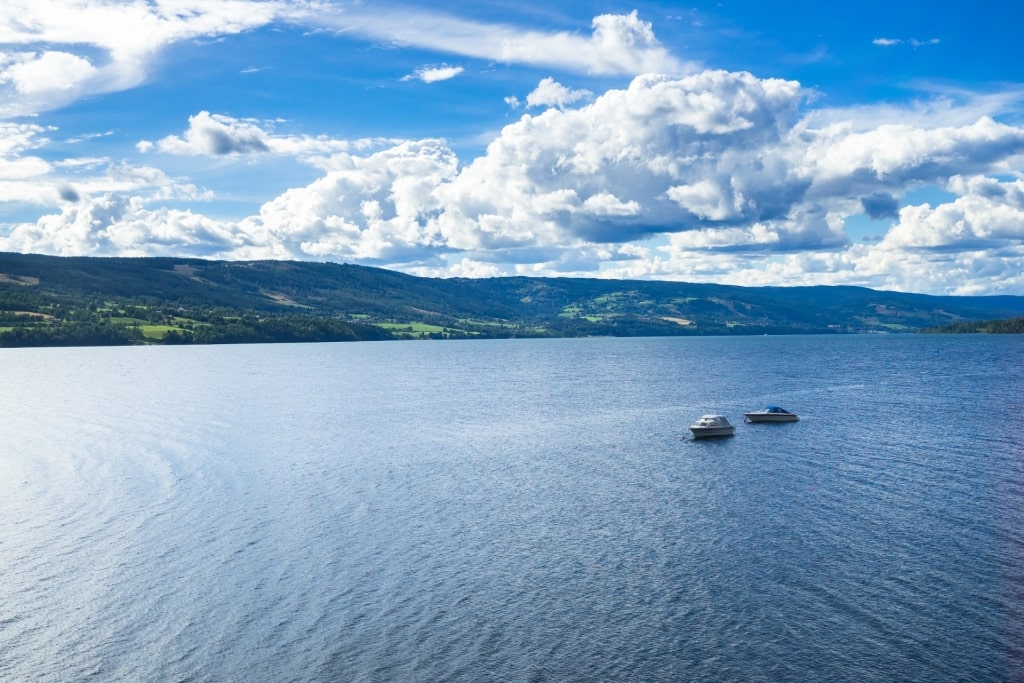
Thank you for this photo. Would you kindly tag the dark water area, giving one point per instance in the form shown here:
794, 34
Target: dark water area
522, 510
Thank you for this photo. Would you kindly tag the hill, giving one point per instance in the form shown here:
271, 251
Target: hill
1011, 326
48, 300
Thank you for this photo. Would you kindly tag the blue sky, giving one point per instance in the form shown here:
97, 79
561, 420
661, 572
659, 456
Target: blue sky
876, 144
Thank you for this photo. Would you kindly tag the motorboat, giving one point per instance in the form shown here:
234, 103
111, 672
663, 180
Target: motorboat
711, 425
771, 414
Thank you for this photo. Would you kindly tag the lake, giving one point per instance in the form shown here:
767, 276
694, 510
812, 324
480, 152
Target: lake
517, 510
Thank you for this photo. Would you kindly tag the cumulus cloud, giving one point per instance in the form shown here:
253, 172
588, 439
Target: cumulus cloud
113, 224
897, 154
377, 207
216, 135
550, 93
715, 176
38, 73
987, 213
701, 175
650, 147
718, 162
370, 208
709, 200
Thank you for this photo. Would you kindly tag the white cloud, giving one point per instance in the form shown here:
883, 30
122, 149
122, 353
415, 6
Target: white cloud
550, 93
100, 46
708, 200
465, 268
106, 45
913, 42
113, 224
129, 27
87, 137
722, 165
433, 74
15, 138
987, 214
533, 184
896, 154
29, 179
715, 176
25, 167
619, 44
944, 107
215, 135
607, 204
20, 173
375, 207
35, 74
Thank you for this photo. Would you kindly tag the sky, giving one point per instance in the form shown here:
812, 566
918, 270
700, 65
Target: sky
878, 144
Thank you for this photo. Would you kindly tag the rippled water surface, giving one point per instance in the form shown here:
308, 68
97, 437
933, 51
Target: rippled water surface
529, 510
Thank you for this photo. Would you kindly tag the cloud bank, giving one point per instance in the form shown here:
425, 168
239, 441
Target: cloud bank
712, 176
686, 173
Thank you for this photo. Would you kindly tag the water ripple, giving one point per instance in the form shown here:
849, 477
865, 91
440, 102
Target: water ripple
514, 511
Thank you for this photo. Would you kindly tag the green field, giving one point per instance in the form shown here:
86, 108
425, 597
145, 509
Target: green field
416, 330
158, 332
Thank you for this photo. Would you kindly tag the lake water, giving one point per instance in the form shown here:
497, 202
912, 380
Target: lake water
523, 510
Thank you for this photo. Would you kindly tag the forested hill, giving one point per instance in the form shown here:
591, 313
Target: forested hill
1011, 326
47, 300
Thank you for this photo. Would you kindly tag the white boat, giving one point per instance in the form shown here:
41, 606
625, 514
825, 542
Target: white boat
771, 414
711, 425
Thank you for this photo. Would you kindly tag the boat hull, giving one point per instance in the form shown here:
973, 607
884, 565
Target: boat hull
708, 432
770, 417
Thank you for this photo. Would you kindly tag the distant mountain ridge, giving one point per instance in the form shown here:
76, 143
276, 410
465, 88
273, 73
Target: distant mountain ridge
177, 300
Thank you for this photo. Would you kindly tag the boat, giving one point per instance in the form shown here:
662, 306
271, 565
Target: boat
711, 425
771, 414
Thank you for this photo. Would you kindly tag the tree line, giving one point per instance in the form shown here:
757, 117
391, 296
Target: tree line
1010, 326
